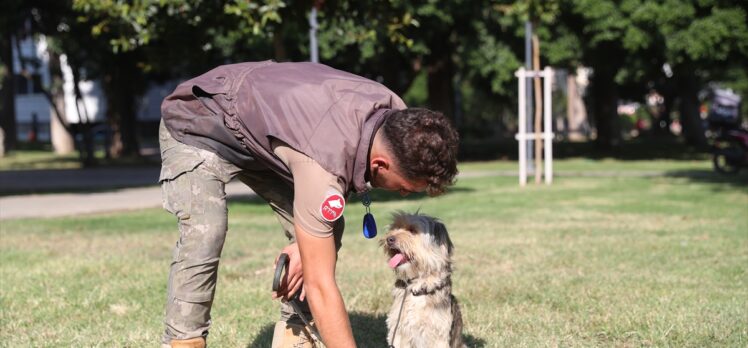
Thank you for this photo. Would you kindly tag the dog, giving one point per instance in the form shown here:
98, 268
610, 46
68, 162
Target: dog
424, 313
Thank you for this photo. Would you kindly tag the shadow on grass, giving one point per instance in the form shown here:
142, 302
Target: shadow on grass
642, 148
376, 196
711, 177
4, 192
46, 159
385, 196
369, 331
90, 180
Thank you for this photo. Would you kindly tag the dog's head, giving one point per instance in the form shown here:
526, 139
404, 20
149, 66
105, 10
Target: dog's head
417, 245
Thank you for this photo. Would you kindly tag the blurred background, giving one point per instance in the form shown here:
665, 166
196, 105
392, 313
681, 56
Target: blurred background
82, 80
640, 241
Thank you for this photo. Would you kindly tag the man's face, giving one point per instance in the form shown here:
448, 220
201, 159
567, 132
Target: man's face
390, 180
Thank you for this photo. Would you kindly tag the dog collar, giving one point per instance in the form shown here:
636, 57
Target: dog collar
420, 292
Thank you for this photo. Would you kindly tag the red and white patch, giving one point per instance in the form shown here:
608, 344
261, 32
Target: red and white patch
332, 207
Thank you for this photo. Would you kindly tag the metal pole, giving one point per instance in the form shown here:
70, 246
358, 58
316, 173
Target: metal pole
547, 134
313, 53
522, 134
529, 95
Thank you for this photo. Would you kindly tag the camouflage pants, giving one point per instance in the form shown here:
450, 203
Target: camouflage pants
193, 186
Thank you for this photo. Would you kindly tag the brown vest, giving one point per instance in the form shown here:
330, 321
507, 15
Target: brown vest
237, 110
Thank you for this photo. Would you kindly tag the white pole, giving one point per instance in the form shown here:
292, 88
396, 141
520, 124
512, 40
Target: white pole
547, 134
522, 136
313, 53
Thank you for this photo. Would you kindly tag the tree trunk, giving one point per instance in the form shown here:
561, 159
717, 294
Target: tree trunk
121, 91
7, 95
691, 123
576, 114
605, 106
661, 124
84, 122
279, 48
440, 86
538, 107
661, 119
62, 140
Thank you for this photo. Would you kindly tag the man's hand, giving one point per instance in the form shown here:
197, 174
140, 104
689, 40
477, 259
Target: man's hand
293, 279
319, 257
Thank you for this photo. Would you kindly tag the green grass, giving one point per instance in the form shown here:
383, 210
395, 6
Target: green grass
577, 164
587, 262
38, 159
637, 154
45, 159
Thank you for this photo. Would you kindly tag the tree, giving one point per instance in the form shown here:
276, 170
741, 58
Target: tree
8, 23
700, 40
127, 44
627, 44
533, 11
599, 28
464, 51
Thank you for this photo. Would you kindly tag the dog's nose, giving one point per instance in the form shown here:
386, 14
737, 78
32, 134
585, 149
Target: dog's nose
390, 240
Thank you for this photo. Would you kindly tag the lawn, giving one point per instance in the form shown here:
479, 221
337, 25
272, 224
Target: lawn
44, 159
657, 259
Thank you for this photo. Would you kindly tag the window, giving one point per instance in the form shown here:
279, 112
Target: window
25, 85
22, 84
37, 81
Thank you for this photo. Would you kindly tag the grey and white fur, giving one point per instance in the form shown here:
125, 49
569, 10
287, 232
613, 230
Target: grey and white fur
424, 313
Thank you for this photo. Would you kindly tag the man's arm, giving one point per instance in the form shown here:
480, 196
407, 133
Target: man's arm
313, 186
318, 257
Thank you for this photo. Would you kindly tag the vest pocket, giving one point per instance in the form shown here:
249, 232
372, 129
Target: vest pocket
183, 195
176, 187
212, 85
216, 103
177, 161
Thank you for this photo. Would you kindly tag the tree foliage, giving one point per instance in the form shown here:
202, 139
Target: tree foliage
462, 53
628, 43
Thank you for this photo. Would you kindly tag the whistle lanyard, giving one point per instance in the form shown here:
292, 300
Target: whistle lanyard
370, 225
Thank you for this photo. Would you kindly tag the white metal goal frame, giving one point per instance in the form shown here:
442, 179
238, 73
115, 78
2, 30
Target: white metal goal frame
522, 135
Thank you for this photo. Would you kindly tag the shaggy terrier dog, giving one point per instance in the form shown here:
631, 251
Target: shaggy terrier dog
424, 312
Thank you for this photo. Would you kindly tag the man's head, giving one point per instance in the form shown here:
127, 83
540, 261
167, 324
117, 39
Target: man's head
414, 150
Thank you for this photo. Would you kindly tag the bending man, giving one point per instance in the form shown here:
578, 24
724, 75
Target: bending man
304, 137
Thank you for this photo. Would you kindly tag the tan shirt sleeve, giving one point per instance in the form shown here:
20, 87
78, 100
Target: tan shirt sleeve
315, 189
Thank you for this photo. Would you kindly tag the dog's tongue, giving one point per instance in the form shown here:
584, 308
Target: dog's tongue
396, 260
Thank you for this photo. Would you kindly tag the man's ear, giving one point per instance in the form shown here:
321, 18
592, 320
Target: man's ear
379, 163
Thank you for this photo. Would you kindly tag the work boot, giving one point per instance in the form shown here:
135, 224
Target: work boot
197, 342
291, 335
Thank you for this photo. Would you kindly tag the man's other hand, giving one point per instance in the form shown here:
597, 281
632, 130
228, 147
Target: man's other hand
293, 279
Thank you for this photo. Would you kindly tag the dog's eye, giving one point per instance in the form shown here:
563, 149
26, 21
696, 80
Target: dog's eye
412, 230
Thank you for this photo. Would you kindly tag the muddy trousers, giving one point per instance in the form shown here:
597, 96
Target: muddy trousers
193, 185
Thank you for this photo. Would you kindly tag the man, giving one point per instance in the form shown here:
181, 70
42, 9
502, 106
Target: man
303, 136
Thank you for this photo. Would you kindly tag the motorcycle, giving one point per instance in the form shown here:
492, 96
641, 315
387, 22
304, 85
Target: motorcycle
730, 151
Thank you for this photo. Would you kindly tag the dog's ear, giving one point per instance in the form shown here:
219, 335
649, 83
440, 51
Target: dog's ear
400, 219
442, 237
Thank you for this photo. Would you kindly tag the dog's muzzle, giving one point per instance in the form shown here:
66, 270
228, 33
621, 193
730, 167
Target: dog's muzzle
397, 257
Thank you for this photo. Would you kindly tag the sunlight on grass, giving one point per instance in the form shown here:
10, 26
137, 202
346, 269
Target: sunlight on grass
595, 165
36, 159
587, 262
48, 160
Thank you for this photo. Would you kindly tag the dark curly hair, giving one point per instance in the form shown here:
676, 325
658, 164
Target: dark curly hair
424, 144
